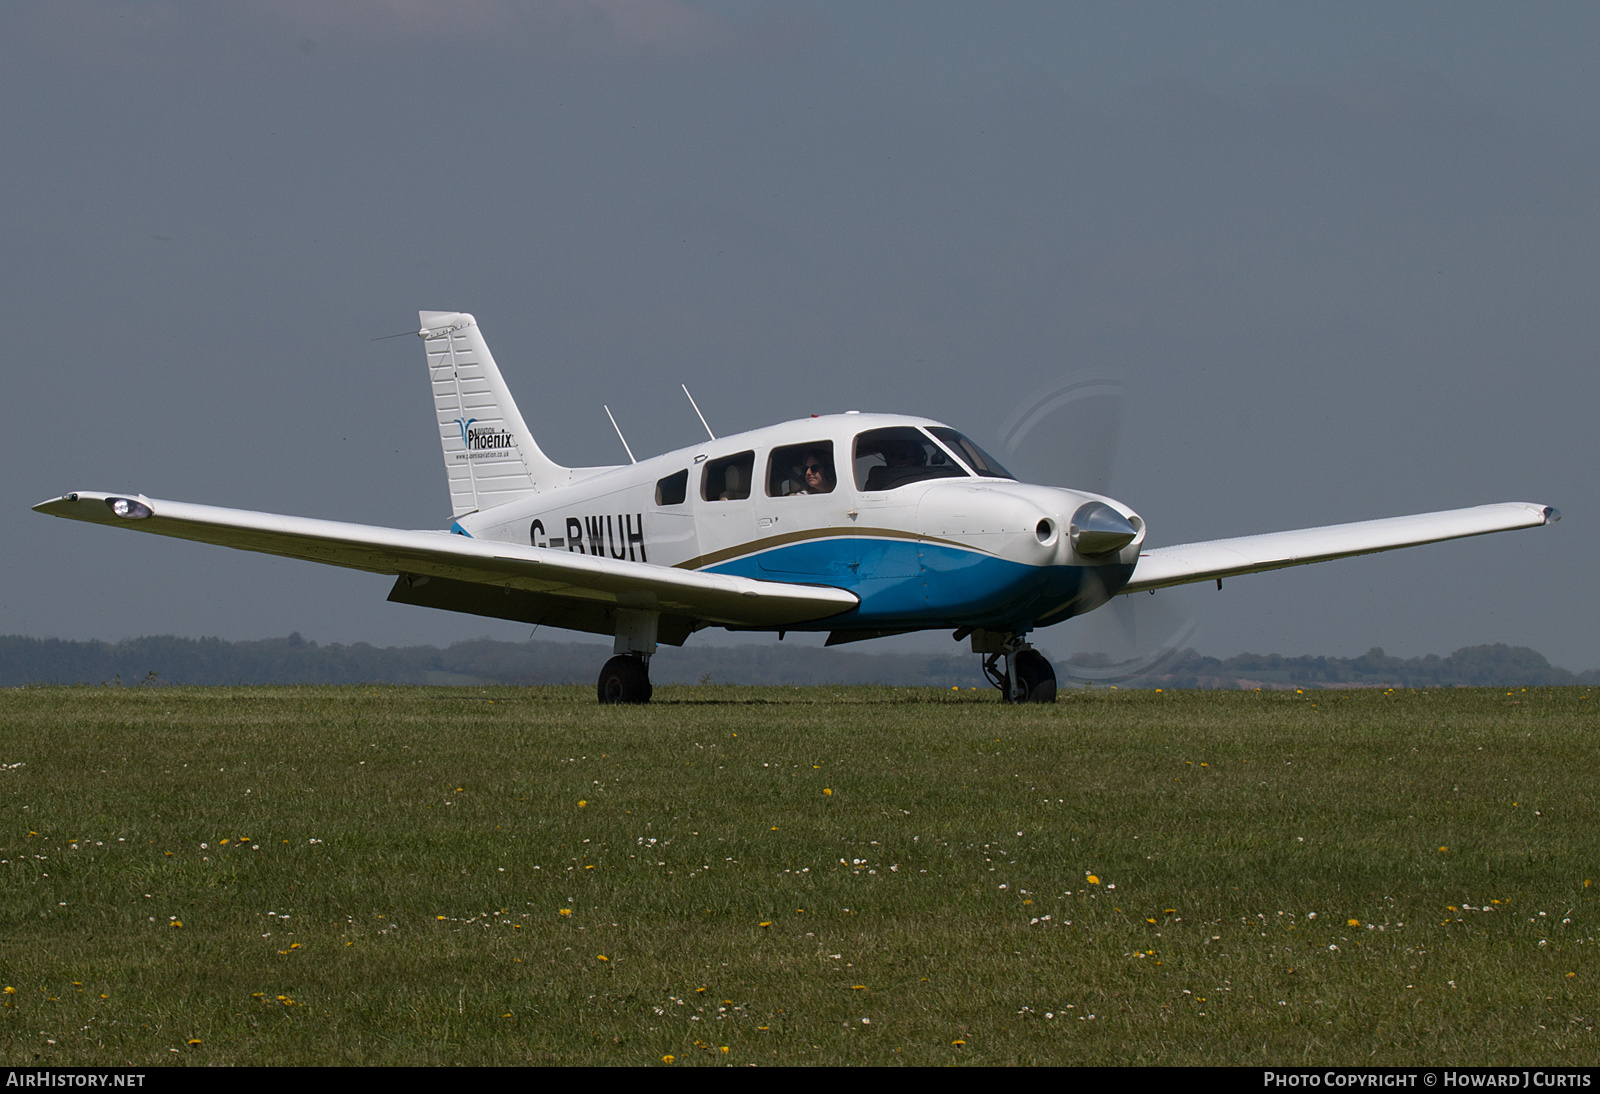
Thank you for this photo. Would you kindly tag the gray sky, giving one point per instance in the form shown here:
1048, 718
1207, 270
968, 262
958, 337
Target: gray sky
1343, 259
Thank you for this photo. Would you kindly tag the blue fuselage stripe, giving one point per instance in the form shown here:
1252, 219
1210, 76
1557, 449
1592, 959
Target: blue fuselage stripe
907, 583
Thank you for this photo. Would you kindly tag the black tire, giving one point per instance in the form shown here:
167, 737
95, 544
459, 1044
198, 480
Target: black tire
624, 679
1035, 678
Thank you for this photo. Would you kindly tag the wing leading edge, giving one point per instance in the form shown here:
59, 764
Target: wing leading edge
577, 579
1219, 558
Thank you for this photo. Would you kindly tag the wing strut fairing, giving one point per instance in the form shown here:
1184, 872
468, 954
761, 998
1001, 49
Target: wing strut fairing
1161, 567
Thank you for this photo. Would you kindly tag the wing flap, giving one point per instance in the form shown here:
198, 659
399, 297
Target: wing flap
1189, 562
713, 598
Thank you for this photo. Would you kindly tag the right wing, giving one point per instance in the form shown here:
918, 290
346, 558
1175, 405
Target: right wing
1220, 558
584, 584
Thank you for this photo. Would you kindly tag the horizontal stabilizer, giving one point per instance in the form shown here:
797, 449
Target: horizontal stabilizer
1219, 558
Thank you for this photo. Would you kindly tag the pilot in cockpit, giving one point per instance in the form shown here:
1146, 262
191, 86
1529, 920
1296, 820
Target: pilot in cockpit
902, 459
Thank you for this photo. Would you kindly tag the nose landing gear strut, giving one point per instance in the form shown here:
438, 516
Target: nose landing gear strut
1025, 677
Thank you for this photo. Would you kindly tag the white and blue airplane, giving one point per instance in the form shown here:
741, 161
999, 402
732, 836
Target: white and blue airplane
860, 525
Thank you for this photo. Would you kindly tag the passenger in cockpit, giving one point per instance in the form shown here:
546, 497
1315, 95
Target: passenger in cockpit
816, 474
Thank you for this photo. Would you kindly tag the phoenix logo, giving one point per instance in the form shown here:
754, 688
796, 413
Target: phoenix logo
477, 439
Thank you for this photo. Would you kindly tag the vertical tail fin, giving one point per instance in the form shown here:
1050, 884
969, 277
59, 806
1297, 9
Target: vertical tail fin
490, 458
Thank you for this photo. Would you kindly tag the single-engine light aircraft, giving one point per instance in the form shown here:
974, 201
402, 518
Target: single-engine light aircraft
860, 525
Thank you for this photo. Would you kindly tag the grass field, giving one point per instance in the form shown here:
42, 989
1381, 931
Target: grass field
744, 875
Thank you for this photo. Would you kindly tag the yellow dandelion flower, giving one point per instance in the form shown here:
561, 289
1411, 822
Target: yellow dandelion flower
566, 911
1443, 849
768, 923
10, 990
827, 793
582, 803
1093, 880
1352, 923
601, 957
1570, 975
958, 1042
724, 1048
858, 987
195, 1041
177, 922
668, 1059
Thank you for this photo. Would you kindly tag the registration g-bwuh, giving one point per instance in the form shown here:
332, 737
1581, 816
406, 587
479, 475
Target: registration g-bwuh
857, 525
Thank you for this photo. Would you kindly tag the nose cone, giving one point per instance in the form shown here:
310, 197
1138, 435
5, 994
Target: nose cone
1097, 529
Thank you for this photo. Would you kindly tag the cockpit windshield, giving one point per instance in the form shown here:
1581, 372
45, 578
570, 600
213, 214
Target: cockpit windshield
899, 456
976, 458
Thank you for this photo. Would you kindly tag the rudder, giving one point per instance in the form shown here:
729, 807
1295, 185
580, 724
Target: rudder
490, 457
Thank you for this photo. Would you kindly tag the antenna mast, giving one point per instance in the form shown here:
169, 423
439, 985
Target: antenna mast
696, 406
620, 437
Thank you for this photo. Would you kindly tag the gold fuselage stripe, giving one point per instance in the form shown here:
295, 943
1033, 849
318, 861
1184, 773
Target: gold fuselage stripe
757, 546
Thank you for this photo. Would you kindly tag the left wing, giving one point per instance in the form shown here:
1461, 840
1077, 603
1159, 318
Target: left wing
1219, 558
578, 580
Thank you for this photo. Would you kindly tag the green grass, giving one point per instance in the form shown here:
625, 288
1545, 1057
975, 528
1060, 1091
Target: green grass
398, 860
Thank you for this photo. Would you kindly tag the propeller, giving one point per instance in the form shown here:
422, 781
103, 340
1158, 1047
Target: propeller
1067, 433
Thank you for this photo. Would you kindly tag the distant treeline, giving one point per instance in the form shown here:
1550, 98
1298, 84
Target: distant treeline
1471, 666
293, 660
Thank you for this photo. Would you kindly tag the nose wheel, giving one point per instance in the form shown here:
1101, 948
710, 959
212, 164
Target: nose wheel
625, 679
1027, 676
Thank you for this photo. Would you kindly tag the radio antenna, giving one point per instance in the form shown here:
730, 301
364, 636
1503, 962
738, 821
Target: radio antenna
620, 437
696, 406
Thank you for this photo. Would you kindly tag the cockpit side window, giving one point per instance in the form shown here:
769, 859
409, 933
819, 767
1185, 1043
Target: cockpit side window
673, 489
801, 469
728, 479
886, 459
976, 458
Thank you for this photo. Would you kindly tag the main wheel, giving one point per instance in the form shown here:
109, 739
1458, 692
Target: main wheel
626, 679
1036, 679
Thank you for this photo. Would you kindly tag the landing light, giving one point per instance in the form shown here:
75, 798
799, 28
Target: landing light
128, 509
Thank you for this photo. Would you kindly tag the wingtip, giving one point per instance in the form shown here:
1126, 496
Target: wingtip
52, 505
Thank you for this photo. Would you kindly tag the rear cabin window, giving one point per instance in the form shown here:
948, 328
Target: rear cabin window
728, 479
899, 456
801, 469
673, 489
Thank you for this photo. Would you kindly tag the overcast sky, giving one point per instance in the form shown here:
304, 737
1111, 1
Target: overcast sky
1342, 259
